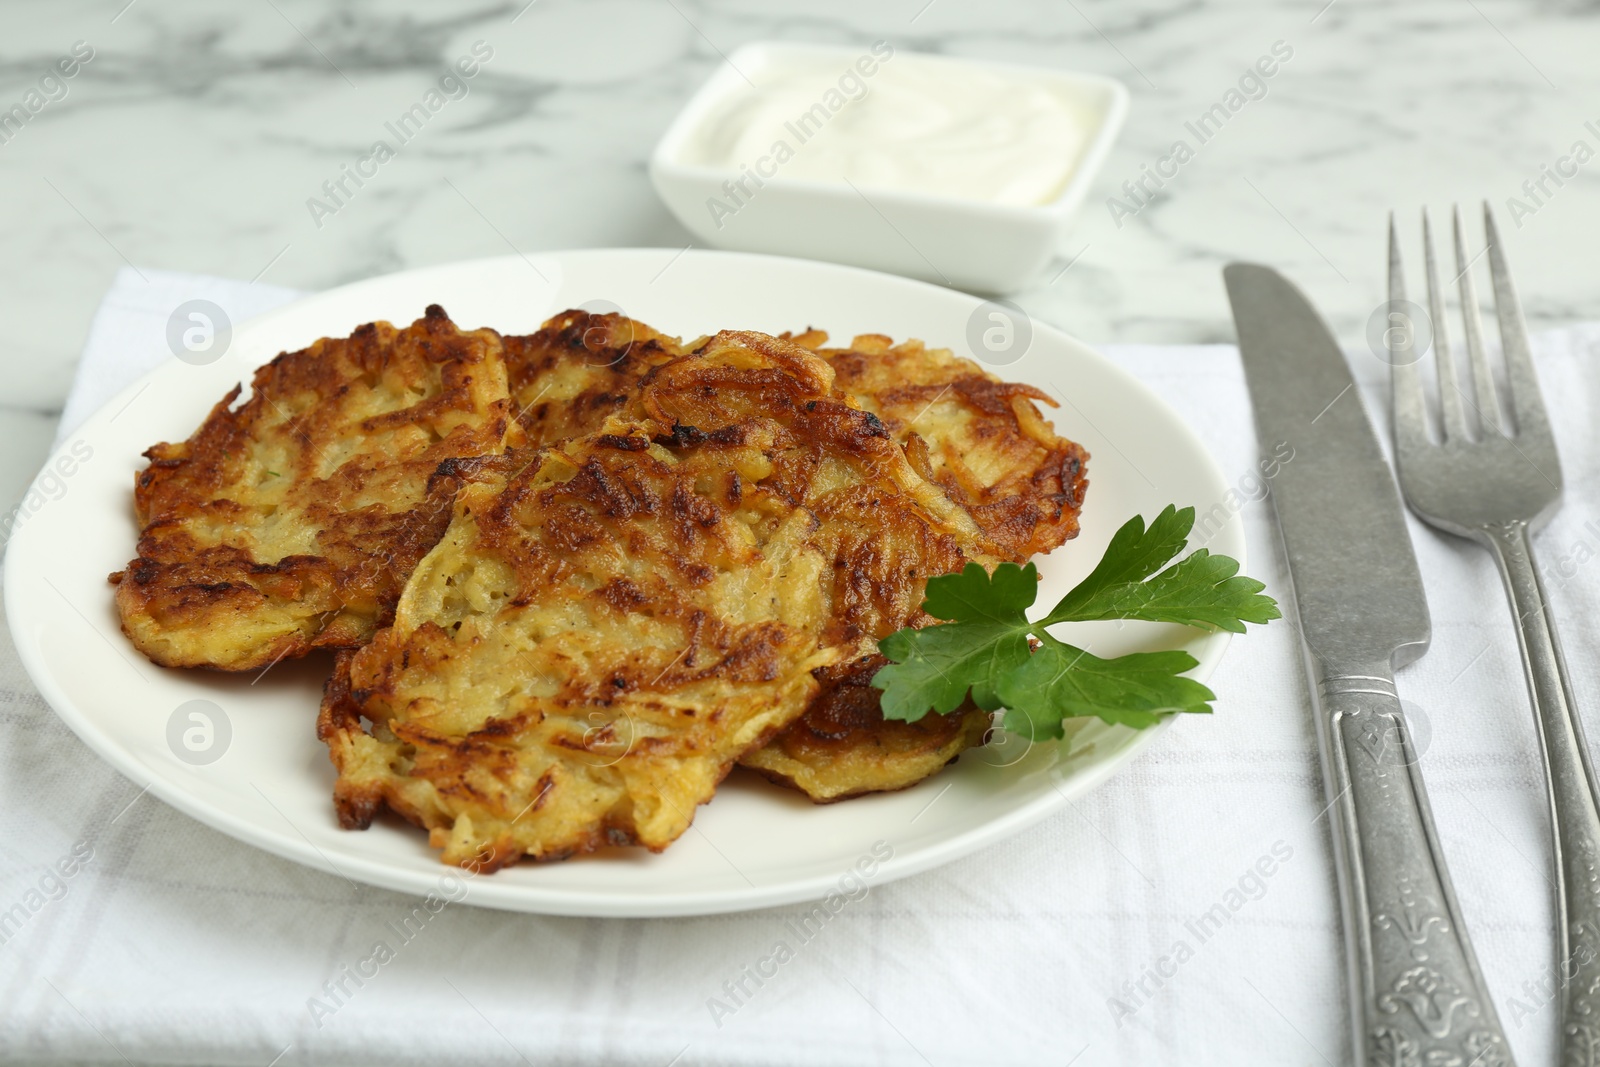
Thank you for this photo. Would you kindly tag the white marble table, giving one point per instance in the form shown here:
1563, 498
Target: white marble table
194, 137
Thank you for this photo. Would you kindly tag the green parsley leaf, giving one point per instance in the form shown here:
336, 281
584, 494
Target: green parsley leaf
1200, 591
1059, 681
1133, 555
984, 646
935, 667
974, 595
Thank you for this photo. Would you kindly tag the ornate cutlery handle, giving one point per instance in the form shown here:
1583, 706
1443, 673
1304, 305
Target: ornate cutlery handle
1573, 810
1417, 998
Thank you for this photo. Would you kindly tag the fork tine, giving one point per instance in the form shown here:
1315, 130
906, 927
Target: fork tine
1526, 402
1453, 420
1409, 407
1472, 320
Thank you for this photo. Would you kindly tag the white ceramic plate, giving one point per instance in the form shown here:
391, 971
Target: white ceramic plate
756, 844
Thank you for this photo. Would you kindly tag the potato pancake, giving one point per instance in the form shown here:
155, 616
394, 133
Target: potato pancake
843, 747
982, 440
611, 621
291, 522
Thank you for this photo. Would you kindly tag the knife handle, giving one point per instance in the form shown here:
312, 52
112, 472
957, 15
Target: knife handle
1574, 814
1416, 994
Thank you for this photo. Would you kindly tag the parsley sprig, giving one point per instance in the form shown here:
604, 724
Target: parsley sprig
986, 645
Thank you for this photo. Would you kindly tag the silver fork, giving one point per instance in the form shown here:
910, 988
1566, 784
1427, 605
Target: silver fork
1497, 484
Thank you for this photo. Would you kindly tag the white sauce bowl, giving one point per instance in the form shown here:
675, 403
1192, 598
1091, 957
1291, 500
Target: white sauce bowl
949, 203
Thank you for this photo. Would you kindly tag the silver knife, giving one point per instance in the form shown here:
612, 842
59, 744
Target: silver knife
1416, 994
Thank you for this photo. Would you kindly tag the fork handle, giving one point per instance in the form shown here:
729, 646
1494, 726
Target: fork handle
1574, 812
1417, 997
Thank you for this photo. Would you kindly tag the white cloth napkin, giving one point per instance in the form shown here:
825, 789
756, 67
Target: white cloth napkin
1074, 942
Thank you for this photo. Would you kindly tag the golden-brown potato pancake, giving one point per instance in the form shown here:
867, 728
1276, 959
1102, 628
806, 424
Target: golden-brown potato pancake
985, 443
292, 521
842, 747
981, 439
610, 622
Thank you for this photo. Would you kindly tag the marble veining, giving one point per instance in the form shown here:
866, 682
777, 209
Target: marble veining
194, 138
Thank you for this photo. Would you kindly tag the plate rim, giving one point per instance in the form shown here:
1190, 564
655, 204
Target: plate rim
566, 901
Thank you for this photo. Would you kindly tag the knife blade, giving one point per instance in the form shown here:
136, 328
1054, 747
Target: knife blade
1343, 525
1416, 991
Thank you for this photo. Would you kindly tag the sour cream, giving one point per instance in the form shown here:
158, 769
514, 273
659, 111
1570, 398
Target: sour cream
900, 121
